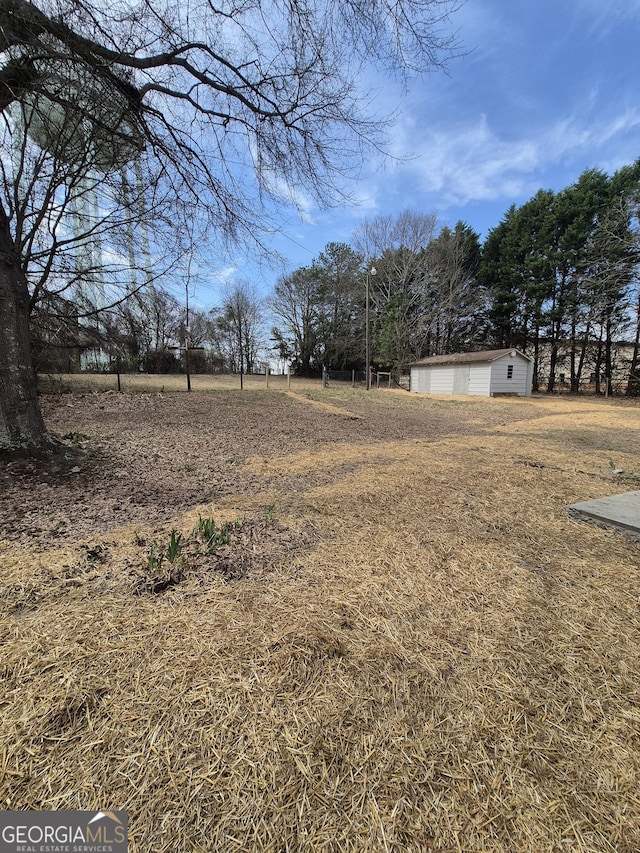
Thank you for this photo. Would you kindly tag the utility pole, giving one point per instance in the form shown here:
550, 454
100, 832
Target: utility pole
186, 336
370, 272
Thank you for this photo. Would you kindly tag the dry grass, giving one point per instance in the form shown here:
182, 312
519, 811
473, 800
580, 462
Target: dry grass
452, 666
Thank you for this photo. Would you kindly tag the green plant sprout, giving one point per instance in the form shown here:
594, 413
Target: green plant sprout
621, 473
154, 560
207, 531
175, 546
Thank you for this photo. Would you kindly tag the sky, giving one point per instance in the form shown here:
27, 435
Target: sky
547, 89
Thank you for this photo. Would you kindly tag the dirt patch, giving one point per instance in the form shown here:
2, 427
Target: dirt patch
144, 458
394, 638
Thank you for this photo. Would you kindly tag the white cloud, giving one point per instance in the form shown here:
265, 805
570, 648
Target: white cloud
605, 16
281, 189
474, 163
224, 274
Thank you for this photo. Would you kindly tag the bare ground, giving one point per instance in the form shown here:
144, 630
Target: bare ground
404, 643
149, 456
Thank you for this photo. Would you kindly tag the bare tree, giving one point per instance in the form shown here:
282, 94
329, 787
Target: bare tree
296, 306
213, 93
400, 241
241, 320
397, 246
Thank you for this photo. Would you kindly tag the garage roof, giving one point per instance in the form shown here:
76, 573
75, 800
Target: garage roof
465, 357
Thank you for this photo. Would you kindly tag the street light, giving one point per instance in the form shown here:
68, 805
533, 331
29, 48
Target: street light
370, 272
186, 329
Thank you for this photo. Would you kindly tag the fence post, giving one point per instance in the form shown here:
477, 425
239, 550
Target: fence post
289, 376
266, 374
187, 365
353, 379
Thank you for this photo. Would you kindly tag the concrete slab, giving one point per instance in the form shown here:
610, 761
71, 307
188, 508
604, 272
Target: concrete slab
619, 511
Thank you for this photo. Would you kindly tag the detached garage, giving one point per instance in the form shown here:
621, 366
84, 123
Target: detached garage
483, 374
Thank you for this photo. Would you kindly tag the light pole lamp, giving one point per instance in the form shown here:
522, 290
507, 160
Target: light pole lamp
186, 333
370, 272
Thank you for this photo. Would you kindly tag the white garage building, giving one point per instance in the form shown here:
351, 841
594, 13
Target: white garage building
499, 371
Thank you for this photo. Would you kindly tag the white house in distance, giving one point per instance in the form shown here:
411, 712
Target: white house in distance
498, 371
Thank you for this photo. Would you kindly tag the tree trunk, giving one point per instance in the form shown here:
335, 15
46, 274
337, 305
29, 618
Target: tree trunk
598, 362
536, 361
22, 429
583, 354
633, 382
556, 325
551, 382
608, 363
572, 357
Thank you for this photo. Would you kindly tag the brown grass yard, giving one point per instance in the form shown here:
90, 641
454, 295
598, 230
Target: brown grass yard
403, 644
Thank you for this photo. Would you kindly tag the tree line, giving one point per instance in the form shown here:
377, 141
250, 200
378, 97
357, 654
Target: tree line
557, 278
150, 332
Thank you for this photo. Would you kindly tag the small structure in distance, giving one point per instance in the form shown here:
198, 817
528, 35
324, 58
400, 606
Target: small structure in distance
482, 374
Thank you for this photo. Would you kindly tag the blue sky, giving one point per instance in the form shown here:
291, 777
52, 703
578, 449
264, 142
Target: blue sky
547, 89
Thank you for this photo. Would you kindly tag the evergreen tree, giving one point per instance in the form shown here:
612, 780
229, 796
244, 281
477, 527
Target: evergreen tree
456, 301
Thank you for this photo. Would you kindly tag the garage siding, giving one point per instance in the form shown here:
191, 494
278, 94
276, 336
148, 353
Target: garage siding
500, 381
442, 379
461, 378
479, 380
501, 372
420, 380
